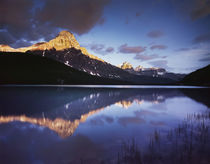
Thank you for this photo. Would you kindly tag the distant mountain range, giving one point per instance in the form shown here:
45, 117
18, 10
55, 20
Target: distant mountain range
153, 72
50, 62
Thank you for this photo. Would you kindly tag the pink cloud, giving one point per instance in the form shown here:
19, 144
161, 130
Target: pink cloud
131, 49
160, 47
155, 34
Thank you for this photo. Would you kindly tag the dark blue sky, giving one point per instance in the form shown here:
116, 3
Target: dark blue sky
173, 34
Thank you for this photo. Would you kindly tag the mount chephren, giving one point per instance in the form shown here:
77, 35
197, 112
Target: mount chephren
65, 49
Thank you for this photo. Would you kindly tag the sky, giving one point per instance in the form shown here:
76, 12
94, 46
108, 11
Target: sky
171, 34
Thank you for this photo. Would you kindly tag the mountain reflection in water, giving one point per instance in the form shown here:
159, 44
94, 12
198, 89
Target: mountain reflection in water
64, 128
42, 121
63, 109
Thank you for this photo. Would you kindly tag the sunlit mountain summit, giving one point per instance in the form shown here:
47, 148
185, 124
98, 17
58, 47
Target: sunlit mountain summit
64, 40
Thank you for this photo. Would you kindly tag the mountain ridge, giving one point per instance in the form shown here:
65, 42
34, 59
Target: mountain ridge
198, 77
64, 40
23, 68
152, 71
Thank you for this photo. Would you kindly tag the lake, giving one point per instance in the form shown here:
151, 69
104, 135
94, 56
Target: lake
104, 124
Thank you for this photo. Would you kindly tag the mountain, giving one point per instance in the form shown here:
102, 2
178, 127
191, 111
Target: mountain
6, 48
65, 40
127, 66
23, 68
152, 72
65, 49
198, 77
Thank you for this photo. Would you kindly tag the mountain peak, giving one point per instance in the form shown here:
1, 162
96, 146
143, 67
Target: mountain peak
126, 65
64, 40
65, 33
139, 68
6, 48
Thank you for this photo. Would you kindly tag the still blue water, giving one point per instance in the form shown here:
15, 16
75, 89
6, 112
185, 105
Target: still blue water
66, 124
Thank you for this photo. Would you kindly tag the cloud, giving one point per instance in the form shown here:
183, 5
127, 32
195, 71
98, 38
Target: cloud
101, 49
109, 49
160, 63
100, 120
202, 38
183, 49
138, 14
157, 123
160, 47
79, 16
108, 119
14, 19
144, 57
206, 59
17, 19
101, 21
21, 43
32, 19
201, 9
194, 57
195, 9
155, 34
131, 49
144, 113
124, 121
15, 14
97, 47
6, 38
97, 122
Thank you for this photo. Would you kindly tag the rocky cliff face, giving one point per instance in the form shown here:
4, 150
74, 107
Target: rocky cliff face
64, 40
126, 66
6, 48
139, 68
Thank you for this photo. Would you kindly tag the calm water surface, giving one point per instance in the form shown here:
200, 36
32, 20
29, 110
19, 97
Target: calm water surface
65, 124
